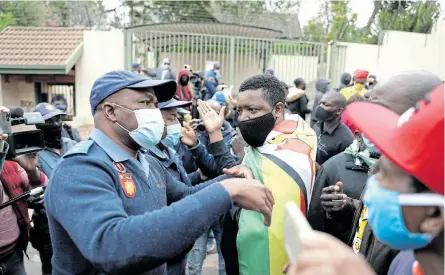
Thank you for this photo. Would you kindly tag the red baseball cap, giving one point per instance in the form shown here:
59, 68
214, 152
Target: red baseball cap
413, 141
361, 74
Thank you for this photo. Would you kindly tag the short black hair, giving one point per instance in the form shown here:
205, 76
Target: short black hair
336, 99
272, 89
298, 81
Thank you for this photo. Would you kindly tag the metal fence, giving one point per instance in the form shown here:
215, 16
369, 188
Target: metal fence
239, 57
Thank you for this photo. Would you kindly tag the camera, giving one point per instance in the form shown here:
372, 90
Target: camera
23, 136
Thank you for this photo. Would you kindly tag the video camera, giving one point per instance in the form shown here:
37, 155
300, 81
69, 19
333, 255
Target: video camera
23, 136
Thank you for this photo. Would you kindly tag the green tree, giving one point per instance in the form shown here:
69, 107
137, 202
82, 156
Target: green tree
334, 22
26, 13
53, 13
6, 19
408, 16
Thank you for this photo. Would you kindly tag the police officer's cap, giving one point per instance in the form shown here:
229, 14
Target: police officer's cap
115, 81
48, 110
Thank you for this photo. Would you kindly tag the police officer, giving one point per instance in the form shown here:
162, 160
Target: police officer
107, 203
55, 147
168, 151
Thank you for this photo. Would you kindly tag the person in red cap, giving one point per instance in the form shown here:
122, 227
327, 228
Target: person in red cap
397, 93
405, 198
360, 79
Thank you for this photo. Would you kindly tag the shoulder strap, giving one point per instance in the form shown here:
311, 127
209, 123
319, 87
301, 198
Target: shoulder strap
81, 148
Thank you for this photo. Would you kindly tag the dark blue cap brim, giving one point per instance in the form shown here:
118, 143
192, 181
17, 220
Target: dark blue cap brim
174, 104
164, 89
52, 114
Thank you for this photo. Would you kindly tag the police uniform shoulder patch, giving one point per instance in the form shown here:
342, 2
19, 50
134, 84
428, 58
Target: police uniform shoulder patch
80, 148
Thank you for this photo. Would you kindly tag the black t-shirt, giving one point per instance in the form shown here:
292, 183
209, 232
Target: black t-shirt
332, 141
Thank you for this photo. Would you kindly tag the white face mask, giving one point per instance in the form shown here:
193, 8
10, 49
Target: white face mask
166, 66
150, 127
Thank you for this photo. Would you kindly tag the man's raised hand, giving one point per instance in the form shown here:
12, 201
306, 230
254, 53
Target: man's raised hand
188, 135
211, 120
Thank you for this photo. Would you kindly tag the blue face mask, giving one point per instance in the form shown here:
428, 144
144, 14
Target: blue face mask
369, 145
386, 219
173, 135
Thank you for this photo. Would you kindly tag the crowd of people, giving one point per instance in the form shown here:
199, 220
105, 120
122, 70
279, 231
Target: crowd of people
176, 164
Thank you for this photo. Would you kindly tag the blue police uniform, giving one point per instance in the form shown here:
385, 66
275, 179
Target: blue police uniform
48, 158
107, 210
172, 163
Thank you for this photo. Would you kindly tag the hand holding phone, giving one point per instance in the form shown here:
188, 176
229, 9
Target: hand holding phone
295, 228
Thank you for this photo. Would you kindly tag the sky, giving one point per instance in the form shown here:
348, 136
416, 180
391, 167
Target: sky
310, 8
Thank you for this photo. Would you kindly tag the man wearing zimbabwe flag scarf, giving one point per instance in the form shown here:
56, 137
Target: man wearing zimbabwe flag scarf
281, 154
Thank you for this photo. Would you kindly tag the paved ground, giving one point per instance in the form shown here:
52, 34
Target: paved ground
33, 264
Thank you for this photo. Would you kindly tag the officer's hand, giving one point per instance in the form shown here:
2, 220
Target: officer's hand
211, 120
333, 199
251, 195
324, 254
201, 175
194, 123
240, 171
188, 135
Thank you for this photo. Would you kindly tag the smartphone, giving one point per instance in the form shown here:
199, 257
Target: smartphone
295, 227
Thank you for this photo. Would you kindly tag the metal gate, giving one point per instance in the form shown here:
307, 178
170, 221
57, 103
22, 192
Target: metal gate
239, 57
60, 95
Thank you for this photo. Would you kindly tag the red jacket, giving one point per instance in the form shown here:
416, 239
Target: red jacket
15, 182
183, 92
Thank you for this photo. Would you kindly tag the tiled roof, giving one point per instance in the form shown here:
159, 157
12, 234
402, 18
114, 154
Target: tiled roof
38, 46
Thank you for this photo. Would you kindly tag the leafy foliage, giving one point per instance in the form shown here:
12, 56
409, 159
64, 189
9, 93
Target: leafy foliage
52, 13
335, 20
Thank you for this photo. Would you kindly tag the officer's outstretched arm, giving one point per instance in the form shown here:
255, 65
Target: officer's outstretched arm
82, 197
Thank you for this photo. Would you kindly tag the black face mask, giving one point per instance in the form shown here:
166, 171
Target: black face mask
183, 82
322, 115
255, 130
52, 135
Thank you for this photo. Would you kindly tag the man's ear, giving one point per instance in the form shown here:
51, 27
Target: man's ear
109, 111
434, 222
279, 110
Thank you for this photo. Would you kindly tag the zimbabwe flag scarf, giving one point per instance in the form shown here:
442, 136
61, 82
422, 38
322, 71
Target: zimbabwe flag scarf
285, 164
